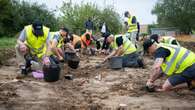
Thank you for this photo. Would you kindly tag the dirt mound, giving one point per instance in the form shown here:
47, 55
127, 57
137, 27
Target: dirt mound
7, 53
188, 45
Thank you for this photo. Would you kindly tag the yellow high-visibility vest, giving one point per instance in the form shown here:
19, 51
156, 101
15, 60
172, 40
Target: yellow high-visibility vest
179, 59
37, 44
60, 42
169, 40
132, 27
128, 46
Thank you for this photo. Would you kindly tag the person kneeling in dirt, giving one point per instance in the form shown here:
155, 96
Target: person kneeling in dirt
75, 42
164, 39
32, 45
57, 41
105, 45
87, 43
176, 62
122, 46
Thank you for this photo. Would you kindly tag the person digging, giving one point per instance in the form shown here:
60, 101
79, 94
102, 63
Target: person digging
87, 44
32, 45
177, 63
122, 46
164, 39
74, 43
57, 43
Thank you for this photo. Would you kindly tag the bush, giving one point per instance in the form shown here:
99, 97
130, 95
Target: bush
74, 17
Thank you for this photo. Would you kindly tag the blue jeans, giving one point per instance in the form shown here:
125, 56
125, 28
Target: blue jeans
131, 60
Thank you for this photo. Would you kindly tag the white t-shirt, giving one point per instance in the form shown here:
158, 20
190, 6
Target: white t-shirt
103, 30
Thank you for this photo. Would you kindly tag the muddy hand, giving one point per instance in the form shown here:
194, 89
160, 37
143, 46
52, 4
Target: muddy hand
23, 48
150, 88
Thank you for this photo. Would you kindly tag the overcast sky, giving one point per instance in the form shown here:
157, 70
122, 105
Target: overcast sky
140, 8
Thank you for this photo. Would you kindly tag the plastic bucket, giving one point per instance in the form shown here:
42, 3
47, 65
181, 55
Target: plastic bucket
51, 73
69, 55
74, 62
116, 62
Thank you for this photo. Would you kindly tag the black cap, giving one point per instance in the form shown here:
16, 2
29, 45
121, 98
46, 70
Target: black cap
155, 37
147, 44
38, 28
106, 35
65, 29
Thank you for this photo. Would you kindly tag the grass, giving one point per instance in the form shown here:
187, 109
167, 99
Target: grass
7, 42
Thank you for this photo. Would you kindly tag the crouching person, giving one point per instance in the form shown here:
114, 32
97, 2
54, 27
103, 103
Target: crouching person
164, 39
122, 46
32, 46
87, 43
57, 42
75, 42
176, 62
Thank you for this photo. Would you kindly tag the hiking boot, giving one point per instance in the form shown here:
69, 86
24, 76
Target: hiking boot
24, 70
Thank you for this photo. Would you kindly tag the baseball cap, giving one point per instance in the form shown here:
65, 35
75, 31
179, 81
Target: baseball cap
38, 28
106, 35
65, 29
147, 43
155, 37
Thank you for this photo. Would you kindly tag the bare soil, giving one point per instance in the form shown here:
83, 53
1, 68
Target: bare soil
90, 89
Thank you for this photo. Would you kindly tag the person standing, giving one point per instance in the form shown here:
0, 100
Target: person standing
89, 25
131, 27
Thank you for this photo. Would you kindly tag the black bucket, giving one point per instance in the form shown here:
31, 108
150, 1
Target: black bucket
69, 55
74, 62
116, 62
51, 73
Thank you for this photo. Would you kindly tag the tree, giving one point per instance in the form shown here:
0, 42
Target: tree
74, 17
26, 13
16, 14
150, 26
176, 13
6, 14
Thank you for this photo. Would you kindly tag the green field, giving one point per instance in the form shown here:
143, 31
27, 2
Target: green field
7, 42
